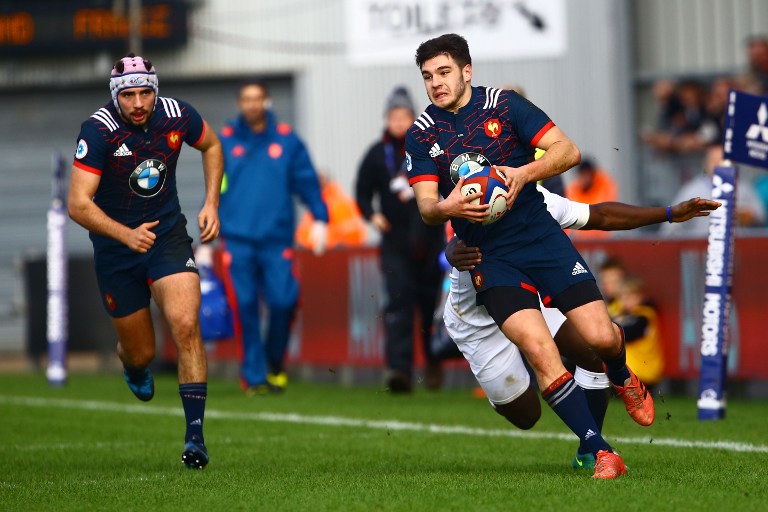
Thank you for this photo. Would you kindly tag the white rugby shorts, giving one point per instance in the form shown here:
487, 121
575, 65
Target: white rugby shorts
494, 360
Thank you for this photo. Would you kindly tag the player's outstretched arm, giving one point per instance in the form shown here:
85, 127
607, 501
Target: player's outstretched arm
602, 216
213, 169
619, 216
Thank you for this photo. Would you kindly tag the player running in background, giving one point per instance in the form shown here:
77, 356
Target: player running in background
525, 251
496, 363
123, 190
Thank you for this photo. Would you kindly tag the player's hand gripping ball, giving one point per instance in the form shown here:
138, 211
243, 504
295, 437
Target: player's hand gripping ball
492, 183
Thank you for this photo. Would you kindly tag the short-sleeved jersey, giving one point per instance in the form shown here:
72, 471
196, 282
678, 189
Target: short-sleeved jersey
504, 128
137, 166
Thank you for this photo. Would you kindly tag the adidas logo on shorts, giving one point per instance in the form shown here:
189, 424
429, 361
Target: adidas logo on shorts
578, 269
191, 263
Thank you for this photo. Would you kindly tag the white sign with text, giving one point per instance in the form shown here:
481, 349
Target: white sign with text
389, 31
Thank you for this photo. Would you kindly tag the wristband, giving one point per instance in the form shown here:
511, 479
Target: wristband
669, 214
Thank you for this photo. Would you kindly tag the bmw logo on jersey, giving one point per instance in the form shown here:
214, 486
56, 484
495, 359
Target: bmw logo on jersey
148, 178
467, 164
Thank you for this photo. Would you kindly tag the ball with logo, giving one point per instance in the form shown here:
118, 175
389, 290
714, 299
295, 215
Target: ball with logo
491, 182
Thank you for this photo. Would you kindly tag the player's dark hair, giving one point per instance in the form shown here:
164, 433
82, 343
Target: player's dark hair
452, 45
248, 82
120, 65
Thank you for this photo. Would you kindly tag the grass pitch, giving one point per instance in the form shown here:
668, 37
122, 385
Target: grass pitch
92, 446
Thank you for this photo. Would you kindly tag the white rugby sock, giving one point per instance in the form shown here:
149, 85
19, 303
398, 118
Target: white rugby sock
590, 380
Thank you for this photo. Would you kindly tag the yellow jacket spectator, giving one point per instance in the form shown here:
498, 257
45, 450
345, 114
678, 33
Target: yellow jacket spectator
645, 354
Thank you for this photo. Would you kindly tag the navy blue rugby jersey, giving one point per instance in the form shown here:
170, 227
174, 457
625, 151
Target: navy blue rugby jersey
504, 128
137, 167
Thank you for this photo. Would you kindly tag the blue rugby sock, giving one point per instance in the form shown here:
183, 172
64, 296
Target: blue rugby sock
597, 401
193, 396
567, 399
616, 366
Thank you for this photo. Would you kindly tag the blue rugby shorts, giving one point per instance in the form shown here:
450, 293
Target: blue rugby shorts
124, 278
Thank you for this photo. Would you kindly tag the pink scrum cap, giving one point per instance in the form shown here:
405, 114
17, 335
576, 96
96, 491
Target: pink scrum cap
130, 72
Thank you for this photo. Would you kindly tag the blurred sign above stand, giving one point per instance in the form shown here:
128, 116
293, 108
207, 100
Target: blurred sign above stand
60, 28
389, 32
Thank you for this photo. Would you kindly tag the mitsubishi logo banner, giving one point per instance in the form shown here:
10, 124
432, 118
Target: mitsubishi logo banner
389, 31
746, 129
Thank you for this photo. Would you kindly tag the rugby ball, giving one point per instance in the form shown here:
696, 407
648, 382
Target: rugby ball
491, 182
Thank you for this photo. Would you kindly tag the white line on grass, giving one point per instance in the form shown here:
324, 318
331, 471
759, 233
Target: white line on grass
390, 425
76, 446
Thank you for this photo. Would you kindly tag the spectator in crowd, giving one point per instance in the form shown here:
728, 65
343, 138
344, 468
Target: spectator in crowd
410, 249
611, 278
638, 319
674, 147
346, 227
591, 185
265, 165
682, 112
711, 131
755, 80
749, 208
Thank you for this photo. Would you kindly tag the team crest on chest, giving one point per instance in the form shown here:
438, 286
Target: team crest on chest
148, 178
174, 139
466, 164
492, 128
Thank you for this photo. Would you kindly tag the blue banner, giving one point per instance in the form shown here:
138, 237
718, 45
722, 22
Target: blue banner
717, 296
746, 129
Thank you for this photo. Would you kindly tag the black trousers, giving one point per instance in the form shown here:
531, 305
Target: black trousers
413, 287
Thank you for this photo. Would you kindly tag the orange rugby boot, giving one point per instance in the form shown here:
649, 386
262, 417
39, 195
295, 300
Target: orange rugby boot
608, 466
637, 400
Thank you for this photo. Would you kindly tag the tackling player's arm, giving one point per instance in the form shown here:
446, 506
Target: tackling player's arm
608, 216
435, 212
460, 256
619, 216
82, 209
213, 169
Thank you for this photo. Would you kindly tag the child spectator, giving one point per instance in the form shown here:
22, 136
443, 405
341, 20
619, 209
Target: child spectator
639, 320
